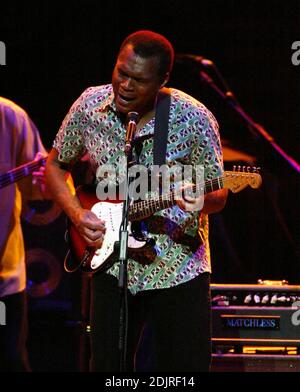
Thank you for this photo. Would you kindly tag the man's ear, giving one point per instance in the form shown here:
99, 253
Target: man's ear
166, 79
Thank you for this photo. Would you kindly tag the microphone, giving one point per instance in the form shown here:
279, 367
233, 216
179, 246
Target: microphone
182, 57
132, 118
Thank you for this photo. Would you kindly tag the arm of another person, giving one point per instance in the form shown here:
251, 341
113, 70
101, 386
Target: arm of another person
88, 225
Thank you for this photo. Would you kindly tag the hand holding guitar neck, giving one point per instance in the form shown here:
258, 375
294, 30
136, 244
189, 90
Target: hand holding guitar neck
22, 171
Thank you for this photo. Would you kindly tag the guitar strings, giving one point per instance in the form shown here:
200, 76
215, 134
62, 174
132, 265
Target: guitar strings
18, 175
169, 198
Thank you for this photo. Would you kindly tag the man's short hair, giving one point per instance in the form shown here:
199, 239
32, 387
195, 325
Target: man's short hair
147, 44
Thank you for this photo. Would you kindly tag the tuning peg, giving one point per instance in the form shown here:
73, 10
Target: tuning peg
256, 169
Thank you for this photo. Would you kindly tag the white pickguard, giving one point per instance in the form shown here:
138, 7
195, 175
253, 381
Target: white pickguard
111, 214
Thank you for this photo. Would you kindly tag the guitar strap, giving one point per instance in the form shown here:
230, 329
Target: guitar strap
160, 137
162, 111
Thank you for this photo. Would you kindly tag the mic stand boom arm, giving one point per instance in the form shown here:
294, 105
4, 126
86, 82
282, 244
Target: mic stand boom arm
256, 127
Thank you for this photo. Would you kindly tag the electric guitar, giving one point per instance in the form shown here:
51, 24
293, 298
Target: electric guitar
20, 172
90, 259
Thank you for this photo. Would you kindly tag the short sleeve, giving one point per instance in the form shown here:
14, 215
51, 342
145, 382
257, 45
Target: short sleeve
29, 142
69, 139
207, 150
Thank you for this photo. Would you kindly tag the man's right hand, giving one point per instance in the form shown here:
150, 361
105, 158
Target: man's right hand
91, 228
85, 221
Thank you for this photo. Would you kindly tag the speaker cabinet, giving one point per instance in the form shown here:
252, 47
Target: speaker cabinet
54, 296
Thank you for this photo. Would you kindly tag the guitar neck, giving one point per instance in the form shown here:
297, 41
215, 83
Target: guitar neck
20, 172
146, 208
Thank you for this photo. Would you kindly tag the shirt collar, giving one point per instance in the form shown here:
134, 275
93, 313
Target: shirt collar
109, 102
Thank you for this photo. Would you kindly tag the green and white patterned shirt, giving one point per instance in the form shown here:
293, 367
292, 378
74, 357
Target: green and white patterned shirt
92, 125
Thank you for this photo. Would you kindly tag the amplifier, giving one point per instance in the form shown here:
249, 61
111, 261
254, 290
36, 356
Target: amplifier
263, 314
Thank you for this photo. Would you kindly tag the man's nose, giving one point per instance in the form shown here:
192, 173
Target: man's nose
127, 83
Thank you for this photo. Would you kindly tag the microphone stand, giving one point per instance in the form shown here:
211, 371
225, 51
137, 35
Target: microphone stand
229, 98
123, 245
257, 129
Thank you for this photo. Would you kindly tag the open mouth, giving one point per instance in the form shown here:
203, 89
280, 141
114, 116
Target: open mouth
126, 99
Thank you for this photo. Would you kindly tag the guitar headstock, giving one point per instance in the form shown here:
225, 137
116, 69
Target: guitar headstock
241, 177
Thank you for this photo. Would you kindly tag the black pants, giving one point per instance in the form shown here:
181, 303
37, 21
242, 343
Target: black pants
177, 322
13, 353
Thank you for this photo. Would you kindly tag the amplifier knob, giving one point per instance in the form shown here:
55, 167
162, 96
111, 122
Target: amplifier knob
282, 299
248, 299
274, 299
256, 298
265, 299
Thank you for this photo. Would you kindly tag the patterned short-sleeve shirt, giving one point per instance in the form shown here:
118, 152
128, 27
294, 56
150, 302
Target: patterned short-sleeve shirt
181, 238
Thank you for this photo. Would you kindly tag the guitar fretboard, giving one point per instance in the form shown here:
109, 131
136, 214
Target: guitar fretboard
145, 208
20, 172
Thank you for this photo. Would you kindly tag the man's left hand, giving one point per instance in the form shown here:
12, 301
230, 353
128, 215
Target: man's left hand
38, 177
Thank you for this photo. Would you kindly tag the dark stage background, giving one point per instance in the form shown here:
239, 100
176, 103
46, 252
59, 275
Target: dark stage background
55, 51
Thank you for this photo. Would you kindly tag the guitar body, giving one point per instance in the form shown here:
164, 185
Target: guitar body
141, 248
88, 258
